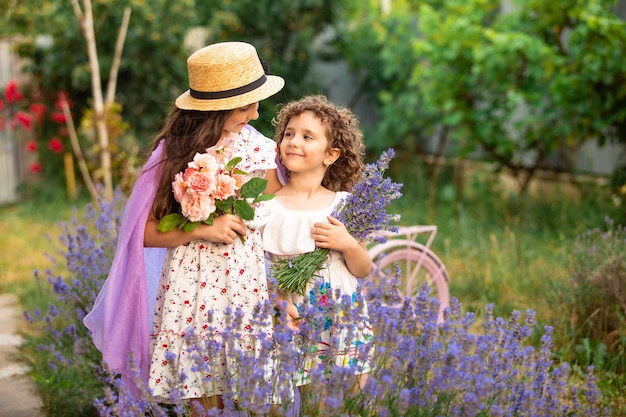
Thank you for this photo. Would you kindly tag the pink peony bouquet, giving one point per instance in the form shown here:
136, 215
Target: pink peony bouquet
210, 186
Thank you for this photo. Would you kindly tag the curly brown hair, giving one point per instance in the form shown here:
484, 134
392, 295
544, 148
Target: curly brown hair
184, 133
342, 131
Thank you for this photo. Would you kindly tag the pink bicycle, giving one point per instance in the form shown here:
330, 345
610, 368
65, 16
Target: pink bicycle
418, 263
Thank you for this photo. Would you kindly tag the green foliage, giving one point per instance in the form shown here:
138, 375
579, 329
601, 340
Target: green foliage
153, 67
516, 86
286, 35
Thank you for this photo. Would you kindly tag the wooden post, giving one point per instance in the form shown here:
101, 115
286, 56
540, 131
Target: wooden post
70, 177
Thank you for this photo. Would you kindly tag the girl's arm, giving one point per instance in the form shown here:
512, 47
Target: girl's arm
335, 236
225, 229
273, 184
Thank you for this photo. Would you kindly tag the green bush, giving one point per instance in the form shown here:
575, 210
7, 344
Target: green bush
597, 298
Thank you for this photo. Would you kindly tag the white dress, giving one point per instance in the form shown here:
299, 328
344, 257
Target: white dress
288, 233
202, 285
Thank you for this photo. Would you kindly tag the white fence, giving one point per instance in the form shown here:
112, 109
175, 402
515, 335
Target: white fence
11, 170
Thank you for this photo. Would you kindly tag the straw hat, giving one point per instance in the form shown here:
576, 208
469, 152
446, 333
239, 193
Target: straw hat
225, 76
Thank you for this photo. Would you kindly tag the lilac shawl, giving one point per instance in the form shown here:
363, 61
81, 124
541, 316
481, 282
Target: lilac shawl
120, 318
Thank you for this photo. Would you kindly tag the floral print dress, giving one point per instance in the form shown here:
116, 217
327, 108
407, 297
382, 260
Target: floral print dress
344, 334
205, 324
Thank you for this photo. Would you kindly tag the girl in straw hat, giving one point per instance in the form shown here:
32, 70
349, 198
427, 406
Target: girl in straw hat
209, 277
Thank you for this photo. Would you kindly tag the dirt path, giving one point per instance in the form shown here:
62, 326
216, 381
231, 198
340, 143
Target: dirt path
17, 393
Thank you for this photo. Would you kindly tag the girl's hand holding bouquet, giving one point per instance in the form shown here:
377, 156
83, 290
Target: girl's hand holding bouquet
210, 186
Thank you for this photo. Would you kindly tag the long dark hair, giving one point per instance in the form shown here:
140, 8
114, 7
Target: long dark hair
184, 133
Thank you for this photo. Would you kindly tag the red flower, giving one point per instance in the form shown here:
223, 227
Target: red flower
1, 104
62, 96
24, 119
36, 167
55, 145
39, 111
12, 93
31, 146
58, 117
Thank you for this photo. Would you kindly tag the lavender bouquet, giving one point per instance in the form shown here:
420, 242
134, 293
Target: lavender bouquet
363, 212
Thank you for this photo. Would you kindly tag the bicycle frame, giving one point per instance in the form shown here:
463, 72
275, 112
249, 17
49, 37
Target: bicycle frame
394, 239
403, 246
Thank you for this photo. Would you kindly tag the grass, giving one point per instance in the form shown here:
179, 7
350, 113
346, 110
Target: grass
31, 229
477, 238
488, 258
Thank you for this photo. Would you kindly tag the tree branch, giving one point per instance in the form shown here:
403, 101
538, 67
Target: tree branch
98, 106
117, 58
82, 165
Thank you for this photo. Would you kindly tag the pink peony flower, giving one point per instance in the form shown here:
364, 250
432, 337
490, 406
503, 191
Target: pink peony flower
187, 173
210, 177
199, 183
205, 163
179, 186
196, 208
224, 187
239, 180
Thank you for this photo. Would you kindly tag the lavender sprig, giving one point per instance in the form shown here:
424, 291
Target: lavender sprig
363, 212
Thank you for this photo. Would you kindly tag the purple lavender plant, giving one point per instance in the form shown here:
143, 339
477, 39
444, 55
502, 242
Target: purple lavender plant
62, 354
420, 367
363, 212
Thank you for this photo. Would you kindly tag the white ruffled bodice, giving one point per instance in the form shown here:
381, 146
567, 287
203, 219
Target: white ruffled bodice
288, 232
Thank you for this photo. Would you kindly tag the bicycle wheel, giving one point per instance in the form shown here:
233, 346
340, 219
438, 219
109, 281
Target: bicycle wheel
417, 266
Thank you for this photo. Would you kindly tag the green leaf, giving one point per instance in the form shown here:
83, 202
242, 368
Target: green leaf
224, 205
171, 221
263, 197
189, 226
231, 164
244, 210
253, 187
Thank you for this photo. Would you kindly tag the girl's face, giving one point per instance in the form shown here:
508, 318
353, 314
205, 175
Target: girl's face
304, 145
240, 117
